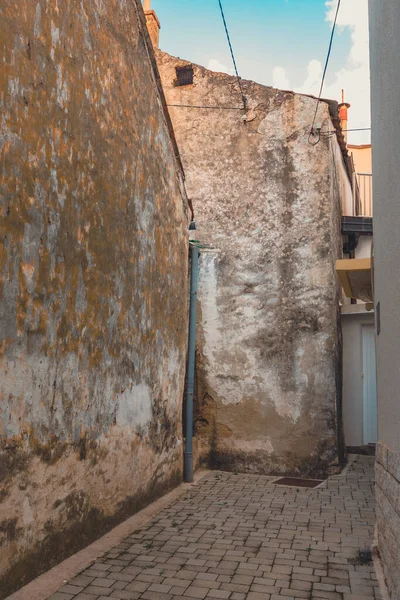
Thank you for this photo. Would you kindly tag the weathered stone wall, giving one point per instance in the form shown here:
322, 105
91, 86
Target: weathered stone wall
268, 355
93, 279
388, 513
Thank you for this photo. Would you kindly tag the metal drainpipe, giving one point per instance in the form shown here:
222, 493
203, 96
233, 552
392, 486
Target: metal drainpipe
188, 456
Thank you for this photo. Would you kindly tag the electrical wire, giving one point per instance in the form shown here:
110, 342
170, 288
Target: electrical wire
323, 77
325, 133
244, 100
359, 129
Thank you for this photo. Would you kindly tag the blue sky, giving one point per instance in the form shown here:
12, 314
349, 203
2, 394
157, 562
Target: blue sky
277, 42
264, 33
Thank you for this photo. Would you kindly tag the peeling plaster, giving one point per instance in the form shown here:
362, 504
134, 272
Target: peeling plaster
134, 407
268, 351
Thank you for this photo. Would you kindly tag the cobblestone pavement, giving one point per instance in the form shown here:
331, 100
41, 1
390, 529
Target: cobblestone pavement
240, 537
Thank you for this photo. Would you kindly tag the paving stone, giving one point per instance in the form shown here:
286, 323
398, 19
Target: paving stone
100, 566
343, 589
221, 594
159, 587
102, 582
300, 585
234, 587
279, 569
97, 590
323, 595
298, 593
266, 589
186, 574
207, 583
119, 585
71, 589
124, 577
174, 581
155, 596
149, 578
245, 579
124, 595
93, 573
208, 576
81, 580
137, 586
193, 591
243, 538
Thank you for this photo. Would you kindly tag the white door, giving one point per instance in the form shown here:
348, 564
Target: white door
369, 385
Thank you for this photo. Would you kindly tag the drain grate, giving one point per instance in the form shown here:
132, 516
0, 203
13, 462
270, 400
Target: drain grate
297, 482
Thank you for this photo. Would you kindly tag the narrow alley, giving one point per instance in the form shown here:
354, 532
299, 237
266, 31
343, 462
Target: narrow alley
241, 537
198, 300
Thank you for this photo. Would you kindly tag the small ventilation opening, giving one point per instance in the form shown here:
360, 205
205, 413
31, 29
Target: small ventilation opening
297, 482
184, 75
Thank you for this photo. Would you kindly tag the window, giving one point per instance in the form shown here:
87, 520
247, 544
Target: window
184, 75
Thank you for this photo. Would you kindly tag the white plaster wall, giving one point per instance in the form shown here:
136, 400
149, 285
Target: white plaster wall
385, 95
363, 249
385, 79
343, 181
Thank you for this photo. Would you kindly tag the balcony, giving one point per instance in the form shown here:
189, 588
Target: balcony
362, 195
355, 277
357, 229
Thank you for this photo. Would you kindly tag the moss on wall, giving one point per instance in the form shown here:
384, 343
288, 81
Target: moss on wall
93, 278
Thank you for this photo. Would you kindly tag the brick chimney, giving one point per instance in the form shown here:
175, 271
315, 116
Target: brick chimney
153, 24
343, 108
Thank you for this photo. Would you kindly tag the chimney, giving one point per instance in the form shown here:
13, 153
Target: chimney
153, 24
343, 107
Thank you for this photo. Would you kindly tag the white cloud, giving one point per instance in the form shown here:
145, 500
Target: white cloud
280, 79
312, 84
353, 77
215, 65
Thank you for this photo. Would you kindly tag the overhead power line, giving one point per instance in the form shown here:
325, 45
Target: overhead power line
333, 131
323, 75
232, 55
359, 129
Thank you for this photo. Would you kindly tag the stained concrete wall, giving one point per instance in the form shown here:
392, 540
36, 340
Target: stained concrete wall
268, 354
385, 93
93, 279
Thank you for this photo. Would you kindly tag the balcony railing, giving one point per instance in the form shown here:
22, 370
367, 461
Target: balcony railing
362, 195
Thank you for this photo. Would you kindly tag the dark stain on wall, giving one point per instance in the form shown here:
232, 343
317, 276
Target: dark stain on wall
268, 347
88, 525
